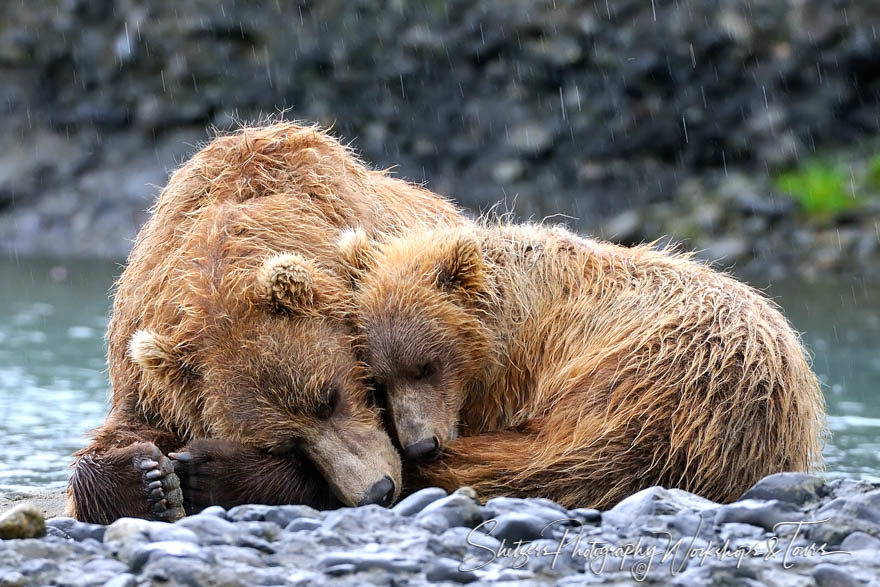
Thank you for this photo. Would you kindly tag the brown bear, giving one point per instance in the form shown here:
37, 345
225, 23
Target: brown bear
229, 340
544, 364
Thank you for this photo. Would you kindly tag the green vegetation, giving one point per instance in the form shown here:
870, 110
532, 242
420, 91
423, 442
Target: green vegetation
821, 188
873, 179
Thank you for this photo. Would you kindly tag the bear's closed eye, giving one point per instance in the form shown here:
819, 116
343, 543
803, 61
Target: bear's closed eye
327, 407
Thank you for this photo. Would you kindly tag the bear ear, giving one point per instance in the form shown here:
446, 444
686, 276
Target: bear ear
287, 282
357, 255
153, 352
462, 267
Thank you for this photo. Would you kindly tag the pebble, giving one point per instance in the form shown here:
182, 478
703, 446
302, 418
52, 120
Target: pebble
459, 509
765, 514
827, 575
415, 503
512, 527
125, 529
444, 569
23, 521
796, 488
76, 530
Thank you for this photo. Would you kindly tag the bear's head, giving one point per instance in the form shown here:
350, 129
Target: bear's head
270, 363
420, 307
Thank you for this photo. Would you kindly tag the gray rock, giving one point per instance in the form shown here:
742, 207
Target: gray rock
654, 501
12, 579
860, 541
459, 509
834, 528
458, 543
22, 521
587, 516
123, 580
827, 575
303, 524
415, 503
76, 530
143, 553
795, 488
214, 510
514, 527
211, 529
250, 513
764, 514
173, 533
531, 138
444, 569
362, 561
125, 529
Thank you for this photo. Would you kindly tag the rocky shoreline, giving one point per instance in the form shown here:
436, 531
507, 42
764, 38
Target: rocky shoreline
789, 529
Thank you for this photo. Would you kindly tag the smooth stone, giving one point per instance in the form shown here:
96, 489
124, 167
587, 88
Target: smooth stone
586, 516
142, 554
123, 580
361, 561
38, 566
415, 503
445, 569
340, 570
11, 579
764, 514
544, 509
860, 541
214, 510
827, 575
23, 521
796, 488
514, 527
211, 529
131, 528
457, 543
76, 530
173, 533
836, 527
654, 501
303, 524
284, 514
248, 513
459, 509
105, 565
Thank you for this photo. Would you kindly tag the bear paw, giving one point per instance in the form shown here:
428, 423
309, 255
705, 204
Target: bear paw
160, 486
206, 469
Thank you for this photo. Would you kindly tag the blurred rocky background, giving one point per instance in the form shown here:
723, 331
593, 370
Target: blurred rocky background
746, 129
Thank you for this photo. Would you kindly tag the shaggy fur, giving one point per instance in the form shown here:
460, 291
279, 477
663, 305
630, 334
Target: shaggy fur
550, 365
227, 324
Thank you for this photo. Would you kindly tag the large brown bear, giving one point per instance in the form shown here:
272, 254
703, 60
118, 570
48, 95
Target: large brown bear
545, 364
229, 339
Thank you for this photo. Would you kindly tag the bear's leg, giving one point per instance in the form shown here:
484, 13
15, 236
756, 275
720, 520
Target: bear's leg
225, 473
136, 481
124, 473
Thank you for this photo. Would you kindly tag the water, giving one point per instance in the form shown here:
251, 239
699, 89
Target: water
53, 382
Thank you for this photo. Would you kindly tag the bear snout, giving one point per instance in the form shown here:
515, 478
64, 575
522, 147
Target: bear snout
381, 493
424, 450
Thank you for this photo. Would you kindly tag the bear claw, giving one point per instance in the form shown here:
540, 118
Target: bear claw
161, 487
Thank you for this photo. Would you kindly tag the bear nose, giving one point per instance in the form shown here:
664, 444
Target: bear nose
381, 493
423, 449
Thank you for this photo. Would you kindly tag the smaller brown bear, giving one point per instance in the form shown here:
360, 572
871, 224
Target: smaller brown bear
545, 364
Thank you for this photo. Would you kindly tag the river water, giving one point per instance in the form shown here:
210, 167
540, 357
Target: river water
53, 380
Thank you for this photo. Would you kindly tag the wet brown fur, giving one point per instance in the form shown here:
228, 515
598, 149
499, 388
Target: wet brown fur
225, 352
562, 367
